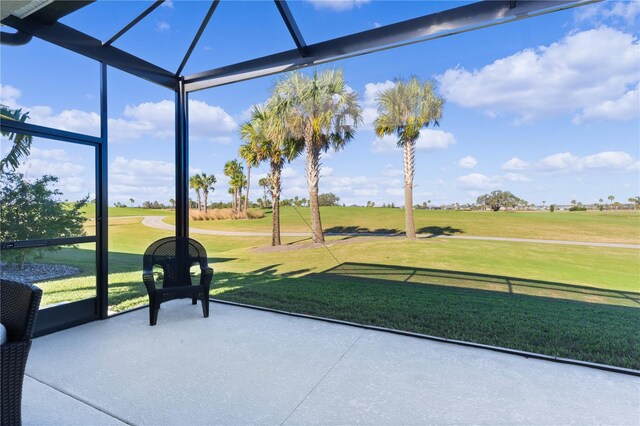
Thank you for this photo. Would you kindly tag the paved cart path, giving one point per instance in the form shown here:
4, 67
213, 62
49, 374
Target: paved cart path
157, 223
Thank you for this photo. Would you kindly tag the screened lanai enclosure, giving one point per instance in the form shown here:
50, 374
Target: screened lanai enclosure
95, 46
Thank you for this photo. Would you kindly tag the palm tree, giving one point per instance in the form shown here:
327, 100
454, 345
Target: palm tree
248, 153
21, 142
404, 110
322, 111
265, 184
234, 170
207, 185
265, 130
132, 201
172, 203
195, 182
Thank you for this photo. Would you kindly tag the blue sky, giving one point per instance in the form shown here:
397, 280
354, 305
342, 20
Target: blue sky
547, 108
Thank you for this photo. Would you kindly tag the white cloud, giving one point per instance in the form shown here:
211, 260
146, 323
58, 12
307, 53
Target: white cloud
467, 162
624, 108
163, 26
49, 154
395, 192
515, 164
391, 171
581, 71
72, 181
167, 4
516, 177
478, 181
560, 161
326, 171
369, 104
337, 5
627, 11
289, 172
565, 162
72, 120
9, 95
365, 192
148, 119
144, 180
429, 140
156, 119
385, 144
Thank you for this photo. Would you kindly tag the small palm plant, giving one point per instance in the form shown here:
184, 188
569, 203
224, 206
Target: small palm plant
195, 183
207, 182
404, 110
234, 170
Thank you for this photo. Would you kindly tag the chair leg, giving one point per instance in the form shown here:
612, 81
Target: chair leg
205, 304
153, 310
194, 300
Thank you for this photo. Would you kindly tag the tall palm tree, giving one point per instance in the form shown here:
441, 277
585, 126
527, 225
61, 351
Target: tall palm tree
248, 154
21, 142
207, 185
195, 182
403, 110
324, 112
266, 132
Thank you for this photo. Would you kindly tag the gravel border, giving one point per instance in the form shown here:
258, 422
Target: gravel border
34, 272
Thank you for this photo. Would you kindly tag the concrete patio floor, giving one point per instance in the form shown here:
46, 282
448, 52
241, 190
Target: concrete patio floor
244, 366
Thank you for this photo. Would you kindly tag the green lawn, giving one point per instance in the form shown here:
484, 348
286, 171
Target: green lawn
592, 226
570, 301
90, 211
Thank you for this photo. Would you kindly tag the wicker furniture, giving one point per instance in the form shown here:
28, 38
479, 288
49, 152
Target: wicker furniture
18, 311
176, 256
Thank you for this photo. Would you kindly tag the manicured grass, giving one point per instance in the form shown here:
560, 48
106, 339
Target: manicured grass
592, 226
571, 301
90, 211
598, 333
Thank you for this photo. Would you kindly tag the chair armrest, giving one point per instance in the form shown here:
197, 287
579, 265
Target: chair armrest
149, 281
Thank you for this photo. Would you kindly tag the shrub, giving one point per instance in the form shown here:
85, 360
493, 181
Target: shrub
578, 209
552, 208
225, 214
33, 210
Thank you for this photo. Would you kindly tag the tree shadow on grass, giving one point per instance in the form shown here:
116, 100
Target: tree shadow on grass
439, 230
360, 230
499, 283
557, 319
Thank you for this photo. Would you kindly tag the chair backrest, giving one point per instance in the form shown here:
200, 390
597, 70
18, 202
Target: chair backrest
19, 303
175, 255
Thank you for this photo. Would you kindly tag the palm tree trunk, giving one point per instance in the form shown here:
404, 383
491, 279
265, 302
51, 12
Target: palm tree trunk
409, 157
205, 195
313, 178
199, 200
275, 195
235, 199
246, 198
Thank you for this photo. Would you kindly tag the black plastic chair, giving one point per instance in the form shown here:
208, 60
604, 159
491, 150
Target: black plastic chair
176, 256
19, 305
